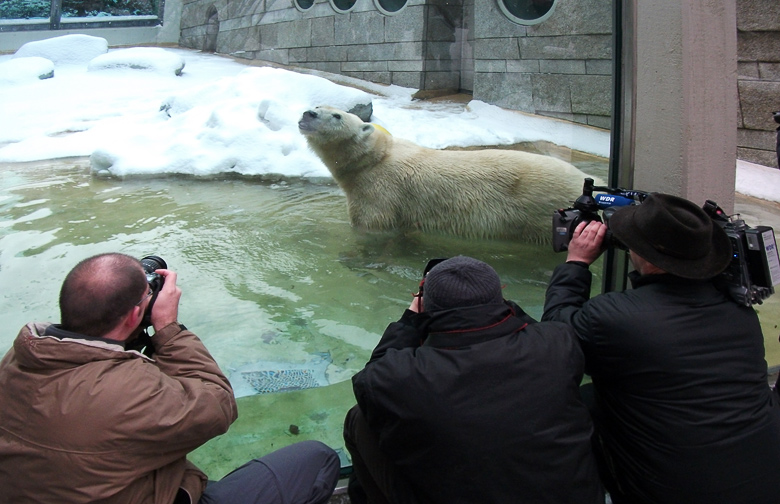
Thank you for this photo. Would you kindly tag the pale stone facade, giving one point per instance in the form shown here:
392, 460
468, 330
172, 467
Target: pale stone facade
758, 54
561, 67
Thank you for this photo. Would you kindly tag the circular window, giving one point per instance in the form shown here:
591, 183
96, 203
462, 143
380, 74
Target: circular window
527, 12
303, 5
390, 6
342, 5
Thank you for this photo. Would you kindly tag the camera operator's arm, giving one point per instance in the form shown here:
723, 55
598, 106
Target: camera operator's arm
407, 332
587, 242
570, 286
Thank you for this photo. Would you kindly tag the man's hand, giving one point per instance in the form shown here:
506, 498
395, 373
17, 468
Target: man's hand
417, 303
587, 242
166, 307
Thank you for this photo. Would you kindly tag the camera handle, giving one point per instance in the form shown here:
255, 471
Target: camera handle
585, 202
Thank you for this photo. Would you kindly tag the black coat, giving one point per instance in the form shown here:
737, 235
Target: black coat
683, 404
478, 406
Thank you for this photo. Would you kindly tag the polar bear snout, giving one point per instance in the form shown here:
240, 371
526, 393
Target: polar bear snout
306, 125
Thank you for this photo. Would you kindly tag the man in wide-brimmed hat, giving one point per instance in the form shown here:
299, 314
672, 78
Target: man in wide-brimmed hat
682, 407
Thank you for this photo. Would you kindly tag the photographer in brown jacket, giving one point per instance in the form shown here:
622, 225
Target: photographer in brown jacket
83, 418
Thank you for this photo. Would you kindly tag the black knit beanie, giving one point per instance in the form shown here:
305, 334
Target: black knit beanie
461, 281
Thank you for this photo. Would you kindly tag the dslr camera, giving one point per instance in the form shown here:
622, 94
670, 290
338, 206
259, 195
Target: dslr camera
150, 264
143, 342
749, 278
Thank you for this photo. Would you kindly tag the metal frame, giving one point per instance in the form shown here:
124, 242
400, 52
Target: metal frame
621, 161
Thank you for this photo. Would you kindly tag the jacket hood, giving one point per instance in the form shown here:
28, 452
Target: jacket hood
36, 350
471, 325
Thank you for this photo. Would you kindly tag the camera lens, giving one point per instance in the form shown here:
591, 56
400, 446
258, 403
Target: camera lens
152, 263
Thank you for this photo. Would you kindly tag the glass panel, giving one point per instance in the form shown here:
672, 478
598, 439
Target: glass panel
288, 296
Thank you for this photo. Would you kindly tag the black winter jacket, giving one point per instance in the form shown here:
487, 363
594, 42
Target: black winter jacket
480, 406
684, 410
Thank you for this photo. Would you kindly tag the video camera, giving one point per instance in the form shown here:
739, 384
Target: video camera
586, 208
749, 278
754, 269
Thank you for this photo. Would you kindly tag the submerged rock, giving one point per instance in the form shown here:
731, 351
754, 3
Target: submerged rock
265, 377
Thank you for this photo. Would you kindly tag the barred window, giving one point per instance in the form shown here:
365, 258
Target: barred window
527, 12
390, 6
342, 5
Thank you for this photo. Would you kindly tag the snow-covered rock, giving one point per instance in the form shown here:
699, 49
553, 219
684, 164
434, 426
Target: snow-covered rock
65, 50
139, 58
22, 70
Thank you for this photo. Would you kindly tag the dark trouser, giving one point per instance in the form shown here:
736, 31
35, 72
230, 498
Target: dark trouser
603, 460
302, 473
375, 479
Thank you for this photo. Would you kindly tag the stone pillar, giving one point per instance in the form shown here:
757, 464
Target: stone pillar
685, 98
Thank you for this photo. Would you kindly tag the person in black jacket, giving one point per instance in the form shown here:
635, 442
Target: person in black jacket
466, 399
683, 410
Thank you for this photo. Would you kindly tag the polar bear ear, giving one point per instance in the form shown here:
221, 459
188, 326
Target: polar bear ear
366, 130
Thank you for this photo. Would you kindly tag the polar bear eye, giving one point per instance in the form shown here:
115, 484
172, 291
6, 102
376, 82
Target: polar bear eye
337, 116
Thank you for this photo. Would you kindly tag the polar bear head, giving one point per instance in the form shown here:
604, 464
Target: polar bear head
342, 140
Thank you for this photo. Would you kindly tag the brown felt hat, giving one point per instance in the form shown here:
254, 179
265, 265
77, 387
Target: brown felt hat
673, 234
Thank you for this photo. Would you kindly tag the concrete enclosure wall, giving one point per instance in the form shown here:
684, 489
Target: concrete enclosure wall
561, 67
758, 53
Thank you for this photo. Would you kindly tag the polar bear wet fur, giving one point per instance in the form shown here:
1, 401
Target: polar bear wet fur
391, 183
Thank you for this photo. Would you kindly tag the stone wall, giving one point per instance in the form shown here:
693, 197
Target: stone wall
415, 48
758, 55
560, 67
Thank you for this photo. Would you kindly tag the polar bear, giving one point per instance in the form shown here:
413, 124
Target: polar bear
392, 183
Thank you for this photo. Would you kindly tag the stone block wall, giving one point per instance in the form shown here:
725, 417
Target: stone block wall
758, 57
561, 67
416, 47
